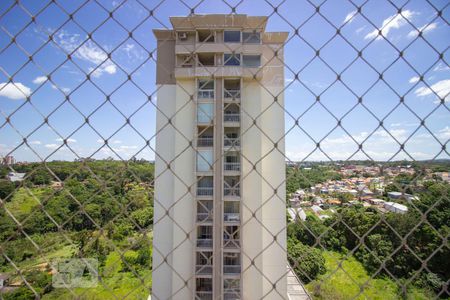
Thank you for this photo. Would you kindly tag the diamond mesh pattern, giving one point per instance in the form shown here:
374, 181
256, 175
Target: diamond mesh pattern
316, 34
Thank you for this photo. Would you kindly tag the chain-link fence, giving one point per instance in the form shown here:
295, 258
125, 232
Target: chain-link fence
140, 148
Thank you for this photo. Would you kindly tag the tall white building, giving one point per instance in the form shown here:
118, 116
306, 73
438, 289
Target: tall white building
220, 216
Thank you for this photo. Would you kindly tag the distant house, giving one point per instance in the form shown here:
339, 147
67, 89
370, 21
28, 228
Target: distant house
377, 202
3, 280
396, 207
316, 209
14, 176
296, 213
394, 195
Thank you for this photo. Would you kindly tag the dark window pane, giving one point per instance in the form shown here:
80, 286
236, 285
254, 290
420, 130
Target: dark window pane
232, 36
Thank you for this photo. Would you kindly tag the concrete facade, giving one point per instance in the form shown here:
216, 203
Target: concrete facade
220, 232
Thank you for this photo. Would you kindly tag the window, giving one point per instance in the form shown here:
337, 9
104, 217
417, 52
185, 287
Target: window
204, 160
205, 112
232, 59
206, 36
251, 37
252, 61
232, 36
205, 84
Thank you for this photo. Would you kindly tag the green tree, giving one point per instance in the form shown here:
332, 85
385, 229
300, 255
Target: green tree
307, 262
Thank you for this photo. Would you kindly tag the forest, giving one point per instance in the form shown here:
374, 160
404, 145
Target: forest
104, 209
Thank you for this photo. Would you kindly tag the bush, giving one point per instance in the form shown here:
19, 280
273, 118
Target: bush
307, 262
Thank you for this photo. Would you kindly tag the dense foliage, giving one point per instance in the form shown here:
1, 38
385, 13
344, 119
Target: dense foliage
304, 178
97, 209
389, 244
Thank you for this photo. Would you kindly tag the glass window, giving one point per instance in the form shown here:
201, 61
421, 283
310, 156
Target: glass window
205, 112
251, 37
204, 160
252, 61
232, 59
232, 36
205, 84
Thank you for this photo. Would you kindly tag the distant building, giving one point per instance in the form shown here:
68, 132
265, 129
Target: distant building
9, 160
297, 213
14, 176
394, 195
396, 207
377, 202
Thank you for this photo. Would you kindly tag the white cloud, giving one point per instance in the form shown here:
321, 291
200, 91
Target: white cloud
404, 124
414, 79
444, 133
393, 22
117, 142
64, 89
360, 29
40, 79
442, 88
35, 142
424, 29
124, 147
349, 17
14, 90
51, 146
69, 140
441, 67
88, 52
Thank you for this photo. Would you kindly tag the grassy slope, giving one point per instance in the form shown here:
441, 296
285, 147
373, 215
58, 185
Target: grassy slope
115, 283
25, 200
342, 284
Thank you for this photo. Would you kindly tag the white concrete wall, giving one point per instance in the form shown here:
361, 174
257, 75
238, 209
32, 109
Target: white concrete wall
258, 231
171, 193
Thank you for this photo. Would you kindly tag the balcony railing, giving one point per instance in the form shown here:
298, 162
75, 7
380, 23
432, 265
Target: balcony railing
204, 217
205, 142
231, 243
204, 191
232, 191
203, 296
235, 166
204, 243
231, 217
231, 117
205, 94
232, 269
203, 269
231, 295
232, 93
230, 142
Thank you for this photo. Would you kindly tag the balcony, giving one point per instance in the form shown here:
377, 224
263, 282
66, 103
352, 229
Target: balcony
231, 217
203, 269
231, 142
231, 295
204, 217
231, 243
206, 141
232, 192
203, 296
205, 94
204, 243
205, 191
232, 166
232, 269
219, 71
231, 117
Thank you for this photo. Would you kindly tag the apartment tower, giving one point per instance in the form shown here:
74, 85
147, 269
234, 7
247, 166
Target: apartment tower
220, 216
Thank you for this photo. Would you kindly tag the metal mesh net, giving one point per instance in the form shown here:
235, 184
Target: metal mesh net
365, 105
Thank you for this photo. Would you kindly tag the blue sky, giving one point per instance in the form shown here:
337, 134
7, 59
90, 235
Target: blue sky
422, 99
